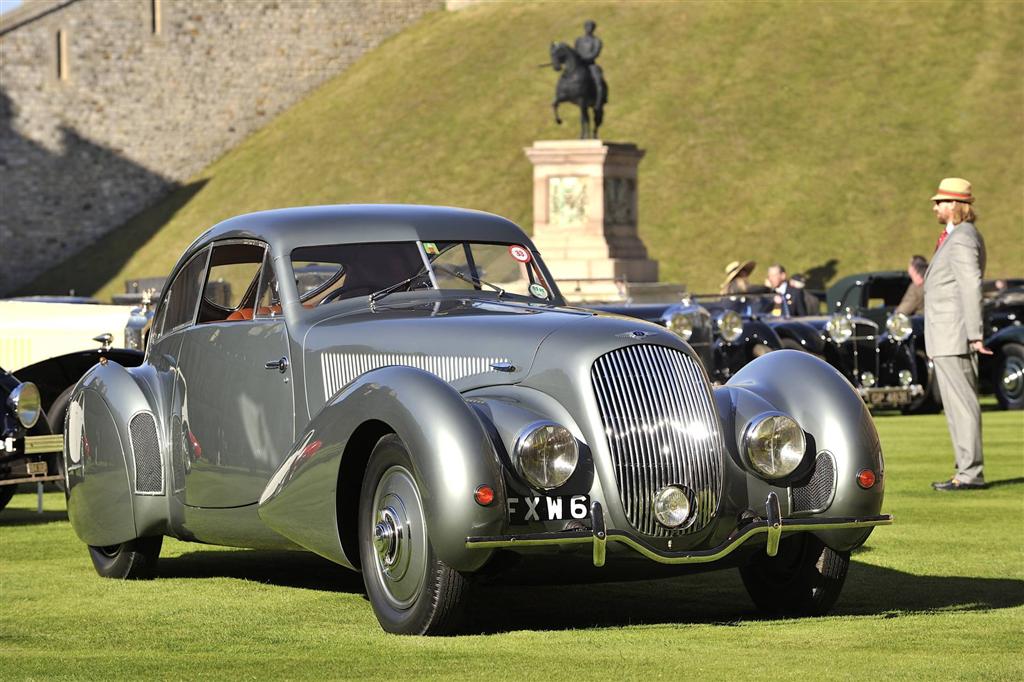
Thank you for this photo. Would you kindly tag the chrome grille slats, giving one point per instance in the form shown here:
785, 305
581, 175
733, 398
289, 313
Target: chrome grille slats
339, 369
661, 429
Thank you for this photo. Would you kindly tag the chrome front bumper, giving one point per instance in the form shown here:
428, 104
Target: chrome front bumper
889, 396
772, 524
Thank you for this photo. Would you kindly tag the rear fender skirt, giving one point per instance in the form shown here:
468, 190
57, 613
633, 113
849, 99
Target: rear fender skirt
104, 505
833, 416
451, 451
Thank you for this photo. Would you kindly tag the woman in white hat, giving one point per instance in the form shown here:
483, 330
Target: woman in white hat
737, 274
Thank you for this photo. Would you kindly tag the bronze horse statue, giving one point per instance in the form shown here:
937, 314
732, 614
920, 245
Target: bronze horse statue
577, 86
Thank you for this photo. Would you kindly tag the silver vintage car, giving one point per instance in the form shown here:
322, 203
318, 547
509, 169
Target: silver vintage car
427, 410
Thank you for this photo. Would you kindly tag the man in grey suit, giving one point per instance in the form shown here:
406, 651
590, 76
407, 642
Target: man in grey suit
953, 329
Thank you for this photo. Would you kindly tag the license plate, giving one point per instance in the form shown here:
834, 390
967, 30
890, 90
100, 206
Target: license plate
544, 508
890, 398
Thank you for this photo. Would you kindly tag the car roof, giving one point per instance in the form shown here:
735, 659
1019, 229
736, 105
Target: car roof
288, 228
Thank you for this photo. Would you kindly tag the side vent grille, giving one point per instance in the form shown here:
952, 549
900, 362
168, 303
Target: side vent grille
149, 472
816, 494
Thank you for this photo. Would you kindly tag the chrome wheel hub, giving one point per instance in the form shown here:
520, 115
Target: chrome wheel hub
1013, 377
399, 537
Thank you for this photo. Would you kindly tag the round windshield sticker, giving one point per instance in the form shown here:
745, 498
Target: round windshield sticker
538, 290
520, 253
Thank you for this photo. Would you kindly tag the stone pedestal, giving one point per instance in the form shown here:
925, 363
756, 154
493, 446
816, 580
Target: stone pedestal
585, 215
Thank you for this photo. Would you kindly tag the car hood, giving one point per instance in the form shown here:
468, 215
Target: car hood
468, 342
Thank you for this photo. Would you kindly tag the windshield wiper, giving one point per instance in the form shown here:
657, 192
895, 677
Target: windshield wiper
471, 280
378, 295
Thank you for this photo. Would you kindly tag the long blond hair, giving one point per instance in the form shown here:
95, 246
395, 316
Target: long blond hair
963, 213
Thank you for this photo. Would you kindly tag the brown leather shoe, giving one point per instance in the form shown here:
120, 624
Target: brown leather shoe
953, 484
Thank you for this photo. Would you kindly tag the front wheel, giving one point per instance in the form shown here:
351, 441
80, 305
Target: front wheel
411, 590
1009, 377
132, 560
804, 578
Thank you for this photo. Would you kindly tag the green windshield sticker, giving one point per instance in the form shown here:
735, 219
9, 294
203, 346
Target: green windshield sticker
538, 290
430, 248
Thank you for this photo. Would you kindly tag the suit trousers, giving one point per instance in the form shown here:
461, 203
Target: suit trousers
958, 381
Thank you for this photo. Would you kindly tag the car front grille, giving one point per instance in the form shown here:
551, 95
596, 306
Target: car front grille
816, 494
662, 429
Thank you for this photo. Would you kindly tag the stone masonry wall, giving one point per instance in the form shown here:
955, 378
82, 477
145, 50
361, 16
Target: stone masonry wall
151, 92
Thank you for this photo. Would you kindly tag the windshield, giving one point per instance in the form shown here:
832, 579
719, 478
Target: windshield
345, 271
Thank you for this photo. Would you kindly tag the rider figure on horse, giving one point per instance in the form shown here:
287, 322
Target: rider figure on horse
588, 46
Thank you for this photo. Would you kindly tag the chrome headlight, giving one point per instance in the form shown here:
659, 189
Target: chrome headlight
672, 506
899, 326
906, 377
546, 455
682, 325
774, 445
840, 328
730, 325
25, 403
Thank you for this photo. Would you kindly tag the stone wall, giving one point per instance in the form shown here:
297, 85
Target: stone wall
106, 105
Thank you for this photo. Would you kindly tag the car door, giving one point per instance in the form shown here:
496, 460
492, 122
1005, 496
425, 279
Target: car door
237, 414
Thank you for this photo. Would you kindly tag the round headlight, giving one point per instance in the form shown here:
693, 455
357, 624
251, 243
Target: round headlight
546, 455
899, 326
730, 325
682, 325
840, 328
25, 403
906, 377
774, 445
867, 379
672, 506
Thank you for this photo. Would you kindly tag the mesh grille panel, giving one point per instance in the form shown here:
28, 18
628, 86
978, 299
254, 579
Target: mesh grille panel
816, 494
149, 474
661, 428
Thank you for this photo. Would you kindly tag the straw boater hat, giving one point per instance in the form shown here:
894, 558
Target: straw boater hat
736, 268
954, 189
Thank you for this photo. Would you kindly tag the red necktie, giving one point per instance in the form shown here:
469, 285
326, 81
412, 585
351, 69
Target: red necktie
942, 238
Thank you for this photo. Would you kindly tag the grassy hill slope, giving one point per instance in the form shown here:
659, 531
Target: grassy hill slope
811, 134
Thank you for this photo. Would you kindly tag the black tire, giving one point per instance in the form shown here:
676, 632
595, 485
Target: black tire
1008, 377
412, 591
803, 579
133, 560
6, 493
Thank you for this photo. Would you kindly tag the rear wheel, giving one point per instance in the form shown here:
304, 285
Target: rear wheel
1009, 377
132, 560
411, 590
804, 578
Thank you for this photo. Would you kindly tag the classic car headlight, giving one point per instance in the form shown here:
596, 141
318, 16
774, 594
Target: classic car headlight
25, 404
774, 444
899, 326
682, 325
546, 454
672, 506
730, 325
840, 328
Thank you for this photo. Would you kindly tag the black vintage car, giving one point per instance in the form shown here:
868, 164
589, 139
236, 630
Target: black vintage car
875, 295
29, 452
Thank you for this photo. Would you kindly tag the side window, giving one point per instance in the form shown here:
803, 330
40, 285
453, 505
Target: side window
179, 302
230, 290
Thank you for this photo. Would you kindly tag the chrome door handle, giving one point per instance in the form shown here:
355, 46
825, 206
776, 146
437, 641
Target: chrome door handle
280, 365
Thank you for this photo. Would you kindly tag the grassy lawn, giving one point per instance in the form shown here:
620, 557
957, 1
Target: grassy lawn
938, 594
810, 133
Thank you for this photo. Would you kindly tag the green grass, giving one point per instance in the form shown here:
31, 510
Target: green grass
940, 594
798, 132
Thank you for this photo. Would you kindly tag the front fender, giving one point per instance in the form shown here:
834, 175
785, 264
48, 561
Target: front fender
804, 334
116, 487
451, 452
834, 417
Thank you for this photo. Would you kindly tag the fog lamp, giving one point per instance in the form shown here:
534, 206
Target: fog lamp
682, 325
906, 377
730, 325
25, 403
840, 328
774, 445
899, 326
867, 379
672, 506
546, 454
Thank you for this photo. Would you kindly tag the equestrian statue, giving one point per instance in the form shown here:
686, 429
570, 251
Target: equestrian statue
582, 81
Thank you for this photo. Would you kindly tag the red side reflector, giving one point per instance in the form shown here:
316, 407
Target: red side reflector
866, 478
484, 495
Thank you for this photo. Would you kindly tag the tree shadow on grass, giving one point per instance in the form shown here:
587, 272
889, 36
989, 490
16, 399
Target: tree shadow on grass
716, 597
